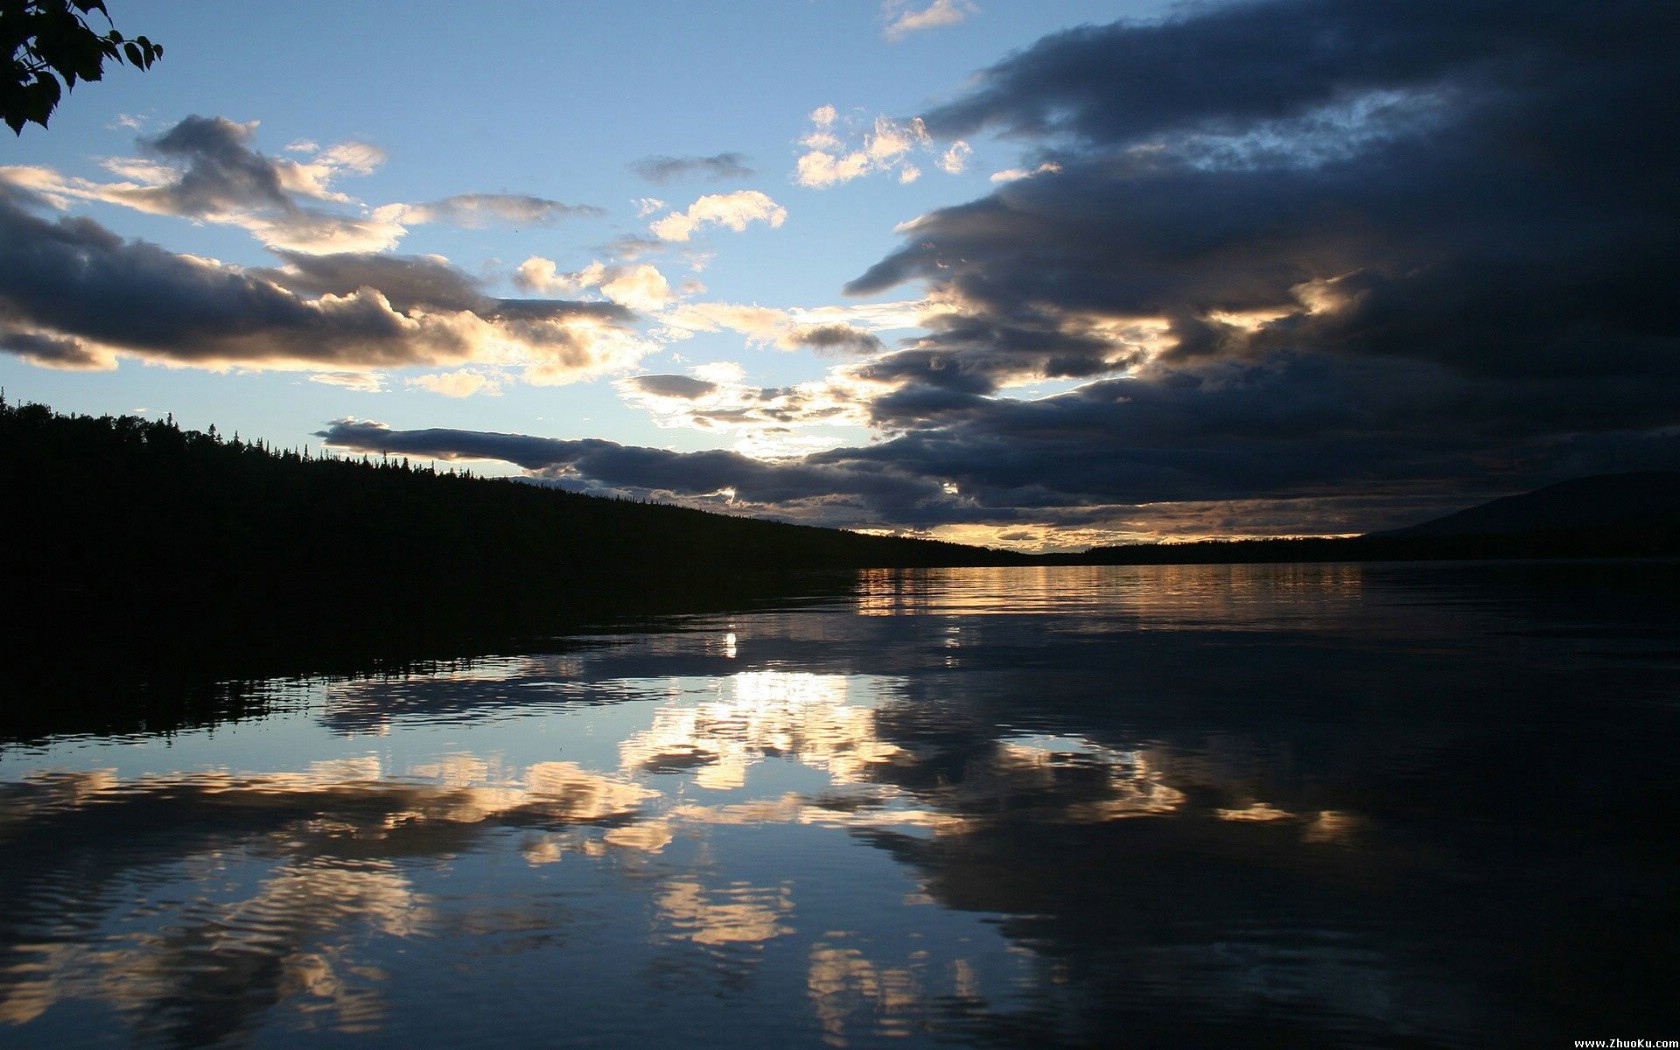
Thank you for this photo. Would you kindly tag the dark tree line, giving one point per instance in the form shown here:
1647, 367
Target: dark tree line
138, 544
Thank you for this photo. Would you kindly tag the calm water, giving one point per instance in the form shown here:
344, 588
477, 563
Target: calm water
1429, 805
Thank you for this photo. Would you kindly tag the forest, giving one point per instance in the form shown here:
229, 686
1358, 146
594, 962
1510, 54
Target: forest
139, 547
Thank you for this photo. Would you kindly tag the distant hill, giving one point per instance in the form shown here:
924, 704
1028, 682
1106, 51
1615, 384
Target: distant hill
1606, 516
1604, 502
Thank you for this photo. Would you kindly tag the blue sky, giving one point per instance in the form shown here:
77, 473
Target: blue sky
938, 266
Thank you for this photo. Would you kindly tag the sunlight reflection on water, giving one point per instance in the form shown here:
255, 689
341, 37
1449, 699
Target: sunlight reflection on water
1289, 805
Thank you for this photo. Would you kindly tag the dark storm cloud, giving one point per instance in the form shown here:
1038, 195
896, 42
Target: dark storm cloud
221, 173
839, 338
71, 283
49, 350
210, 171
1301, 427
1411, 242
976, 353
847, 490
673, 169
1094, 456
405, 280
77, 279
1235, 66
418, 282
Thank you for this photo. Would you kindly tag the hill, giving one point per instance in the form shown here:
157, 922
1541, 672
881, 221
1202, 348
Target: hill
1605, 503
136, 543
1633, 515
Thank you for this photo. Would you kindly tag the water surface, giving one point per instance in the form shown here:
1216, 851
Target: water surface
1327, 805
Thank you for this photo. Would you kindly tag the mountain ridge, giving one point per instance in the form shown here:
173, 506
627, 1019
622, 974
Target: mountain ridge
1598, 501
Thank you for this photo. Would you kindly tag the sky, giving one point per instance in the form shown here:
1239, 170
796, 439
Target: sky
1036, 275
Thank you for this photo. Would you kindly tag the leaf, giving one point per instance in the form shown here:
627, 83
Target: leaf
39, 100
46, 37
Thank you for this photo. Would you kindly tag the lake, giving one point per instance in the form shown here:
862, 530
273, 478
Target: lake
1418, 805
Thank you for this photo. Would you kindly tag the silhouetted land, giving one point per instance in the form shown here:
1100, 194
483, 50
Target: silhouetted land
1608, 516
149, 563
142, 551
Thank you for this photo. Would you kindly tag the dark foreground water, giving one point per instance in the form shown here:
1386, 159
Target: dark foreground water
1410, 805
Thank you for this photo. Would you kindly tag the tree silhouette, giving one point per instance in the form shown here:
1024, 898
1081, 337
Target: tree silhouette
48, 41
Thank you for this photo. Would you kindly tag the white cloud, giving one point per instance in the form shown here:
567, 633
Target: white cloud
761, 324
542, 276
819, 170
720, 372
848, 329
936, 15
639, 286
460, 383
955, 159
734, 210
891, 140
885, 145
314, 178
366, 382
1017, 174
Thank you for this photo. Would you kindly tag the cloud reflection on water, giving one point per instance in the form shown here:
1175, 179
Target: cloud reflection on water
337, 841
1078, 826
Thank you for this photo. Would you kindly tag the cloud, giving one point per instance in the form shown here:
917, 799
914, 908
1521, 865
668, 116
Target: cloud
735, 210
762, 324
954, 161
460, 383
716, 168
906, 20
843, 338
474, 210
1290, 247
75, 295
765, 418
366, 382
405, 281
639, 286
1017, 174
1282, 265
886, 145
53, 351
678, 388
800, 490
830, 329
205, 168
